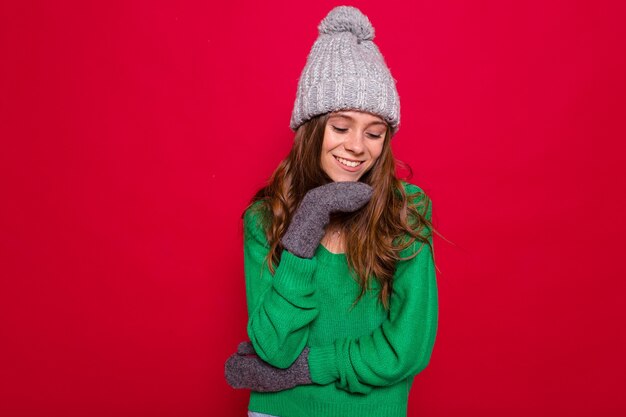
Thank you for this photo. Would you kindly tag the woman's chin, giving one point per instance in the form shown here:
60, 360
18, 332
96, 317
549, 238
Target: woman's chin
344, 178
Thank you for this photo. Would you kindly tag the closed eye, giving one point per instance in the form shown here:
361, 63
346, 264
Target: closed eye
340, 130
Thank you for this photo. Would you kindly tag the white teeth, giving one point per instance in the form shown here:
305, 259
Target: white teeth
348, 163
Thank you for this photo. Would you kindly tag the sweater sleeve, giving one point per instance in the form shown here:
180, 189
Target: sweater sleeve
401, 346
280, 307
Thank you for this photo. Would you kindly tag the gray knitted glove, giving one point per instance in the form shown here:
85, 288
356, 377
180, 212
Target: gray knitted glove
246, 370
307, 226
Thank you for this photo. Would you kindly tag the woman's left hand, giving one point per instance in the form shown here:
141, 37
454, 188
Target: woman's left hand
244, 369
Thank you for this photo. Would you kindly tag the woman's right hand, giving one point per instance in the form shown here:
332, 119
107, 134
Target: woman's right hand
307, 226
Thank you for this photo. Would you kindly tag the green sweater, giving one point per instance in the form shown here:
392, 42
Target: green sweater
362, 359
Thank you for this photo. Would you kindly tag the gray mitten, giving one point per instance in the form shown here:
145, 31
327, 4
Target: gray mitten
245, 369
307, 226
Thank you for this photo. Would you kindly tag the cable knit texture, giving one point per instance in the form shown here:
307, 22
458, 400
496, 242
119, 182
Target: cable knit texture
362, 358
345, 70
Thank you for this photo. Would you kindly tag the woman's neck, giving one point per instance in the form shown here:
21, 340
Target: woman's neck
334, 239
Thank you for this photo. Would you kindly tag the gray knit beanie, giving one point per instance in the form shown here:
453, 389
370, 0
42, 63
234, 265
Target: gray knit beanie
345, 70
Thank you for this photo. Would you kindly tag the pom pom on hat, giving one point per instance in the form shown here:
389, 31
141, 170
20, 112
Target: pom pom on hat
347, 19
345, 70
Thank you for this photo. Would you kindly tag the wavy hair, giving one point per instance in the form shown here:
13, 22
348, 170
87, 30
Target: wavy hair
375, 235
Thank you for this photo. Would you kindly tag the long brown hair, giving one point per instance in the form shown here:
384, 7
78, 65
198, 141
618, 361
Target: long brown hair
375, 235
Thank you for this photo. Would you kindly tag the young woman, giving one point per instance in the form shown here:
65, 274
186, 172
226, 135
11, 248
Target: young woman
340, 276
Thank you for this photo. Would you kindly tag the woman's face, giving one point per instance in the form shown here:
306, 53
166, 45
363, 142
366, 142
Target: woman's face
353, 141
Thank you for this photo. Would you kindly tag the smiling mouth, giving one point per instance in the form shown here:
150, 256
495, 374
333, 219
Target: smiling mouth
352, 164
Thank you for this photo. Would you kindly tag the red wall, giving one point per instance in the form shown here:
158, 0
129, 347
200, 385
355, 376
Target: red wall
134, 133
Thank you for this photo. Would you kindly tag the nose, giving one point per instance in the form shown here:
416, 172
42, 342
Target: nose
354, 142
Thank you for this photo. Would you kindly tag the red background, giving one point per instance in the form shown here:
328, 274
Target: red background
134, 133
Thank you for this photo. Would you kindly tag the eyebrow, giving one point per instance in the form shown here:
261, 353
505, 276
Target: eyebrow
345, 116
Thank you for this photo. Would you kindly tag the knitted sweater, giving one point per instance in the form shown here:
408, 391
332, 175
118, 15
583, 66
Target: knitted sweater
362, 359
